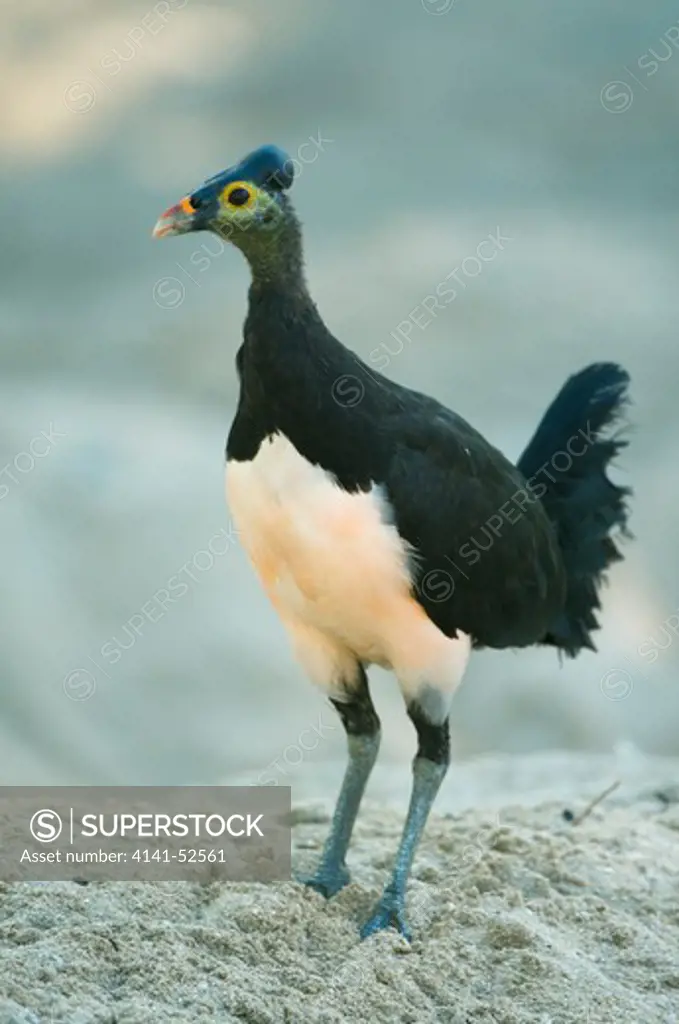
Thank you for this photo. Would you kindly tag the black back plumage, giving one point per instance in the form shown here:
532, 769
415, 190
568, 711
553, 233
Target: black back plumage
489, 557
510, 555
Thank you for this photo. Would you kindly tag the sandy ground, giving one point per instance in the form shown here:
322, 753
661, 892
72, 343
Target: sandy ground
518, 916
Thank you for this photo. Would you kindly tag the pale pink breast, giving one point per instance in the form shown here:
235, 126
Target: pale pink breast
333, 564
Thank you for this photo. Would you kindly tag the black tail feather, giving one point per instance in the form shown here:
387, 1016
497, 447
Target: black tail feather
571, 452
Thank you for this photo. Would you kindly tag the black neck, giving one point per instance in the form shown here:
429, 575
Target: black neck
284, 333
296, 378
293, 373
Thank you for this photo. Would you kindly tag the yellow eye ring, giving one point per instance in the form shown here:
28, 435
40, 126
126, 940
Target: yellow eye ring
239, 194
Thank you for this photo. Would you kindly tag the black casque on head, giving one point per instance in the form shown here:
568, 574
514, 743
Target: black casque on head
267, 167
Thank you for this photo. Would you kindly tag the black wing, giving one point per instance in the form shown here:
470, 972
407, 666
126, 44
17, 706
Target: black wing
486, 556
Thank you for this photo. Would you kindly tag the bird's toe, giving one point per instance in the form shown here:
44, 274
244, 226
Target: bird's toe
327, 881
389, 913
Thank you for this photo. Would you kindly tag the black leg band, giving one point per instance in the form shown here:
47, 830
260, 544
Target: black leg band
358, 711
433, 741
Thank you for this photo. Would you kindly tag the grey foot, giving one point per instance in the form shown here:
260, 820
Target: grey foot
389, 913
327, 881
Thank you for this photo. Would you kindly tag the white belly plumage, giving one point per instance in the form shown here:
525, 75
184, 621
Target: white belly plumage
338, 573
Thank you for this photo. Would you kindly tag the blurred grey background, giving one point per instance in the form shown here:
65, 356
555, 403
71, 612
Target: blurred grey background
440, 124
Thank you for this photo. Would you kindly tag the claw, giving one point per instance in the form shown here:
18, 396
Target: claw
327, 881
389, 913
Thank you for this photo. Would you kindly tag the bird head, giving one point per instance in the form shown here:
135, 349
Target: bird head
244, 202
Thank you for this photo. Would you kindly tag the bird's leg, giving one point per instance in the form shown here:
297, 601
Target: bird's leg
363, 739
429, 769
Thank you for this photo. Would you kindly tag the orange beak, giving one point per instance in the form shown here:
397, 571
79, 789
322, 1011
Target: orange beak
176, 221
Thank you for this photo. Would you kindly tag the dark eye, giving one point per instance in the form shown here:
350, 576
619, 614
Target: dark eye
238, 196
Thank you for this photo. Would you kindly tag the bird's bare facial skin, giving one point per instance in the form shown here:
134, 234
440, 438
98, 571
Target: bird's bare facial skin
243, 207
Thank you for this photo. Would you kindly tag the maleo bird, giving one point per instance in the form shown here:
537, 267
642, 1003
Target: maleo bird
384, 528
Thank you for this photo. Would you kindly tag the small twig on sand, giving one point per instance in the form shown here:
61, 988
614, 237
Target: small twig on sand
667, 796
576, 819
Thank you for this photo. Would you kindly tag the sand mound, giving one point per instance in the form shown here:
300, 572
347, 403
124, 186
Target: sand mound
517, 916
